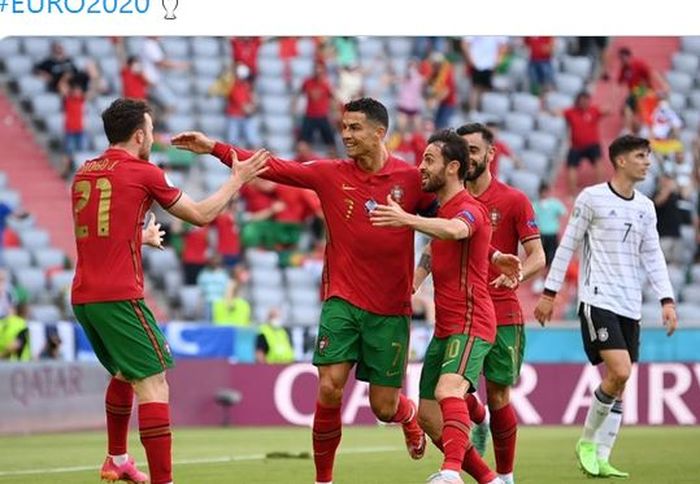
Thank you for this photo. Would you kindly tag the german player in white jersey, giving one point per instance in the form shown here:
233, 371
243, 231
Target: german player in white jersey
616, 225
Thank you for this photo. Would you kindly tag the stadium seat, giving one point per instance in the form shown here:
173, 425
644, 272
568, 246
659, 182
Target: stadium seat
691, 45
534, 161
569, 84
302, 67
180, 85
184, 105
691, 118
176, 123
579, 66
691, 294
680, 82
49, 258
44, 313
495, 103
214, 180
519, 123
695, 273
172, 282
269, 50
370, 47
100, 142
527, 103
280, 144
37, 48
543, 142
16, 258
60, 281
278, 124
694, 99
687, 314
29, 86
515, 141
306, 48
73, 46
304, 296
270, 67
3, 180
18, 65
275, 86
298, 277
264, 296
209, 104
191, 303
33, 281
10, 197
55, 125
677, 101
266, 277
33, 239
305, 316
99, 47
527, 182
551, 124
202, 85
176, 47
207, 66
400, 47
212, 124
9, 46
45, 104
651, 314
203, 47
160, 261
557, 101
685, 62
399, 66
276, 104
263, 259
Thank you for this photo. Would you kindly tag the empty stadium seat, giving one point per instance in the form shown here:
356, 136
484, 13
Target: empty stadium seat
207, 66
298, 277
30, 85
543, 142
681, 82
519, 123
172, 282
99, 47
527, 182
212, 124
18, 65
495, 103
515, 141
9, 46
304, 296
685, 62
45, 104
16, 258
205, 47
209, 104
264, 259
271, 85
270, 67
49, 258
691, 45
527, 103
33, 281
191, 302
176, 47
37, 48
60, 281
557, 101
400, 47
44, 313
579, 66
268, 297
266, 277
569, 84
276, 104
555, 125
33, 239
305, 316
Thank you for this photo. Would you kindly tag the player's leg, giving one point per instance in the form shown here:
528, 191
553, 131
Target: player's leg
502, 368
153, 394
573, 158
384, 354
607, 434
480, 430
604, 343
337, 348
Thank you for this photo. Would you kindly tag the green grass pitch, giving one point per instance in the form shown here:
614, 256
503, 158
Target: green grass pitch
367, 455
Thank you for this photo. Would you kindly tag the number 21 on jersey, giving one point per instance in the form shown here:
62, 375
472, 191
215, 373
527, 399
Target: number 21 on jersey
84, 189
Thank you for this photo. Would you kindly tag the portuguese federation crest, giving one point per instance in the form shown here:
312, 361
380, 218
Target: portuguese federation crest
495, 217
397, 193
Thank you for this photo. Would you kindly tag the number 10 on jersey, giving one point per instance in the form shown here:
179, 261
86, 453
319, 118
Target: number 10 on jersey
84, 190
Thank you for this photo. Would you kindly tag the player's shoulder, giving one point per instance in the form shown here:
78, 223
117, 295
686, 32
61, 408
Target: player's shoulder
644, 201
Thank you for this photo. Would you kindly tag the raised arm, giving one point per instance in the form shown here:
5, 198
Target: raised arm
303, 175
205, 211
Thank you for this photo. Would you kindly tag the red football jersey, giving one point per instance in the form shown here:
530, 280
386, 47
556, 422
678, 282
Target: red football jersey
512, 221
583, 125
460, 273
110, 196
370, 267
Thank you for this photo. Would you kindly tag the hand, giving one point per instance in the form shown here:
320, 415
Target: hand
509, 265
505, 281
193, 141
248, 169
544, 309
152, 235
278, 206
668, 313
389, 215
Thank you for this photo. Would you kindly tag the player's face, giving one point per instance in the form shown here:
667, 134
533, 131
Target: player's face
480, 155
635, 164
432, 169
361, 137
146, 138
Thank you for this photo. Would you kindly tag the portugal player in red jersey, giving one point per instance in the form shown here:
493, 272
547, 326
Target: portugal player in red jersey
367, 276
110, 196
465, 324
513, 221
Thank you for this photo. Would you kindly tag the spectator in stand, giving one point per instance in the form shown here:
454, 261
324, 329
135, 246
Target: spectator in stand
539, 68
482, 55
52, 348
345, 50
349, 83
639, 78
669, 218
212, 282
408, 142
14, 333
583, 119
134, 82
273, 345
195, 248
442, 90
304, 152
410, 97
287, 52
319, 96
596, 49
228, 244
299, 206
233, 309
241, 108
74, 96
549, 211
261, 206
665, 131
154, 61
500, 148
55, 67
245, 51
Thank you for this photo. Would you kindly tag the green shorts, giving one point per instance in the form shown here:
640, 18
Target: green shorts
460, 353
378, 344
504, 361
125, 338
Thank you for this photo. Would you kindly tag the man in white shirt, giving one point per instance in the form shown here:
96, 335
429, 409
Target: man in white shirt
482, 55
617, 225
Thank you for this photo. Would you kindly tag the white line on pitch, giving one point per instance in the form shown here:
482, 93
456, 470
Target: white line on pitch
208, 460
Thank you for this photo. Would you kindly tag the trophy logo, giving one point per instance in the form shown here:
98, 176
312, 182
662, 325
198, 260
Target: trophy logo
170, 6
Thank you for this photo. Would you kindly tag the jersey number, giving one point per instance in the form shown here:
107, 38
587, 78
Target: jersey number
627, 232
83, 189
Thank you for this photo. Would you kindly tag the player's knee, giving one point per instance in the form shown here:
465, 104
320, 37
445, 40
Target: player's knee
497, 396
329, 392
618, 376
383, 410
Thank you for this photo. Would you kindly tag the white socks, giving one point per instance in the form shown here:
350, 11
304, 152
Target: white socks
597, 413
608, 431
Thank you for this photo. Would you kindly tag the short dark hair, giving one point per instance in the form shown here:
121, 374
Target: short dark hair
471, 128
454, 148
626, 144
581, 95
123, 117
373, 109
625, 51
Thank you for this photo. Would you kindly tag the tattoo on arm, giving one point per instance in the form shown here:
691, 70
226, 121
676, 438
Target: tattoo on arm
426, 262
